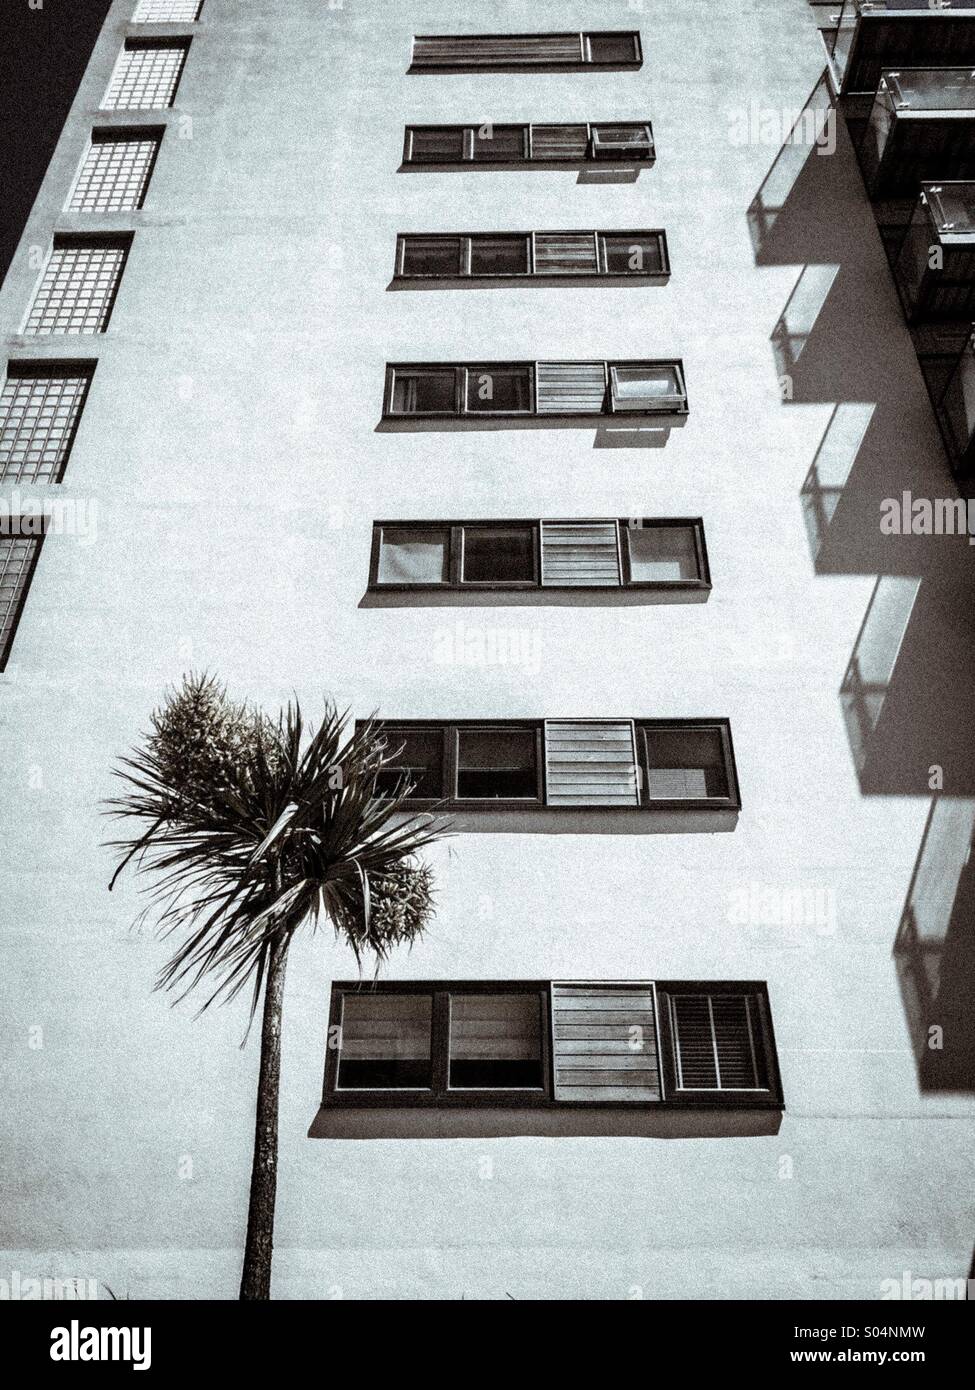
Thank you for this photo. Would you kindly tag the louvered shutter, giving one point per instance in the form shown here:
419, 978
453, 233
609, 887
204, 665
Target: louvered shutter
590, 762
570, 142
570, 388
717, 1044
580, 552
565, 253
488, 50
605, 1043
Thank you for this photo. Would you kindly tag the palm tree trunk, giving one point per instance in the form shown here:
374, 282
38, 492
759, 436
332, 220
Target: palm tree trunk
255, 1281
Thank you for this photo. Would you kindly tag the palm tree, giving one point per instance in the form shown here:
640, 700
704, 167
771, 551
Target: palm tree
251, 827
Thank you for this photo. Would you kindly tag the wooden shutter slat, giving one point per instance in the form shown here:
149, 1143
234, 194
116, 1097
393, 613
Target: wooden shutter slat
580, 554
566, 142
565, 253
599, 774
474, 50
605, 1044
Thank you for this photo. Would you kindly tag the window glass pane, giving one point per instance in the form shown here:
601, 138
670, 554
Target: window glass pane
436, 144
499, 255
623, 134
495, 1041
684, 764
413, 556
146, 76
661, 553
416, 755
498, 554
420, 393
501, 390
431, 255
496, 763
499, 142
631, 255
640, 388
611, 48
385, 1042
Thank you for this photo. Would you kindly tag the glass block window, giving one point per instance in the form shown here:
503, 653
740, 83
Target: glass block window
146, 76
40, 407
115, 173
167, 11
18, 555
78, 287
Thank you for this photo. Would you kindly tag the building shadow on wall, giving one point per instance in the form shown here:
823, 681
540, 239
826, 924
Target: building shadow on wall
935, 950
841, 341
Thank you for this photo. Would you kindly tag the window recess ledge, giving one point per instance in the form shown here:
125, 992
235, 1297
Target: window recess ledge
552, 1121
551, 596
660, 819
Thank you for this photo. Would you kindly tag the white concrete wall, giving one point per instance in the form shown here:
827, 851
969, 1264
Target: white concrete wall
229, 443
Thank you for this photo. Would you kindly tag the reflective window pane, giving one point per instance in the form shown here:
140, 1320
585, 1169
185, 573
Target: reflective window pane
495, 1041
661, 553
413, 556
496, 763
498, 554
415, 757
424, 393
431, 255
499, 255
631, 255
499, 142
685, 764
611, 48
435, 145
499, 390
385, 1043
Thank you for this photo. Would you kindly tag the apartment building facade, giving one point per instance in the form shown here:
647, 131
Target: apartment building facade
440, 373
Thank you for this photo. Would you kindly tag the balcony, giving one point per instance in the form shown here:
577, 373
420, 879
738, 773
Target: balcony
871, 35
921, 127
956, 411
935, 266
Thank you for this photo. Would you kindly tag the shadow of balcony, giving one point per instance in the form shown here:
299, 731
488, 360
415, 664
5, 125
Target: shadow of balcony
935, 950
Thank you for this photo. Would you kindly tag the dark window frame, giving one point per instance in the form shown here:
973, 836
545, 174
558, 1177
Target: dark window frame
695, 524
455, 583
449, 801
440, 1096
468, 240
697, 803
678, 406
450, 757
757, 992
39, 535
53, 367
506, 64
467, 160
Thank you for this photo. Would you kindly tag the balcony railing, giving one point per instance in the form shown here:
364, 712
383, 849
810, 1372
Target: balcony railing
935, 266
921, 126
871, 35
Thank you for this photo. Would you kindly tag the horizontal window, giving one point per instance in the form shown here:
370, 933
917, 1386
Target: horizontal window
624, 552
552, 1043
560, 764
614, 48
535, 388
510, 255
20, 544
532, 143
